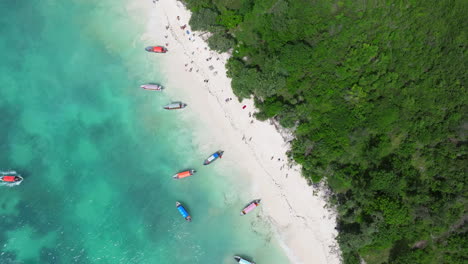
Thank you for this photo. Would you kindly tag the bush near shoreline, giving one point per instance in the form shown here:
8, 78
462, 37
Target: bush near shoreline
376, 94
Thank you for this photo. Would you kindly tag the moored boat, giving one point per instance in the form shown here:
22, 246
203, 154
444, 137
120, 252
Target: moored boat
183, 212
184, 174
213, 157
156, 49
153, 87
10, 178
175, 105
252, 205
242, 260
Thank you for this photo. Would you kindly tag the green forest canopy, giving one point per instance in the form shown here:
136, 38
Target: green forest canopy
376, 94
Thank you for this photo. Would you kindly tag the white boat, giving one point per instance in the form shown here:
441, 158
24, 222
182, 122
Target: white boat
243, 261
153, 87
175, 105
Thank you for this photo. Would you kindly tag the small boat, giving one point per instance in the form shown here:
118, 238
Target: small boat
156, 49
153, 87
252, 205
183, 212
10, 178
184, 174
243, 261
175, 105
213, 157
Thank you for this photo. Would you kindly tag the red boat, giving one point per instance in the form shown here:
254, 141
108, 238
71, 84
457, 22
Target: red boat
156, 49
184, 174
10, 178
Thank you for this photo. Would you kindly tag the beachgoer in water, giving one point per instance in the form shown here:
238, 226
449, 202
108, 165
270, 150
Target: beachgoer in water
178, 18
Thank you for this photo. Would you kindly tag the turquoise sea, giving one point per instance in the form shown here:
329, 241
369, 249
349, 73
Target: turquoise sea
97, 152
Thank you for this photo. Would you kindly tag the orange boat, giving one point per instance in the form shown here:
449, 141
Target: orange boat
184, 174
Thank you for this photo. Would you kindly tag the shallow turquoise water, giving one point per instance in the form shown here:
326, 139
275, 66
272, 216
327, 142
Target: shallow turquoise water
97, 153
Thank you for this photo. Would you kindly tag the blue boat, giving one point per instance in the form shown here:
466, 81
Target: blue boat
183, 212
213, 157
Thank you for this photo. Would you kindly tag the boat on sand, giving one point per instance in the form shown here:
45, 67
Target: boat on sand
175, 105
213, 157
153, 87
183, 212
252, 205
156, 49
242, 260
184, 174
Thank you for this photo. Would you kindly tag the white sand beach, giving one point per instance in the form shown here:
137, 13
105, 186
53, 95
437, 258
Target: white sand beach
303, 224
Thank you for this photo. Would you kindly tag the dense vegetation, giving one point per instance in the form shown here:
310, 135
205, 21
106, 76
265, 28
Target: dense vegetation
376, 94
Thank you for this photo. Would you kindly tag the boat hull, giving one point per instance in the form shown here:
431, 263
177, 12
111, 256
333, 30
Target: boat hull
183, 212
156, 49
243, 261
152, 87
10, 178
250, 207
213, 157
174, 106
184, 174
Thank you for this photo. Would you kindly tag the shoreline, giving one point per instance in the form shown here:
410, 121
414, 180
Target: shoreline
298, 214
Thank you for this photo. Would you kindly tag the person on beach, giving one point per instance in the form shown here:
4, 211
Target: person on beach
178, 18
244, 107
